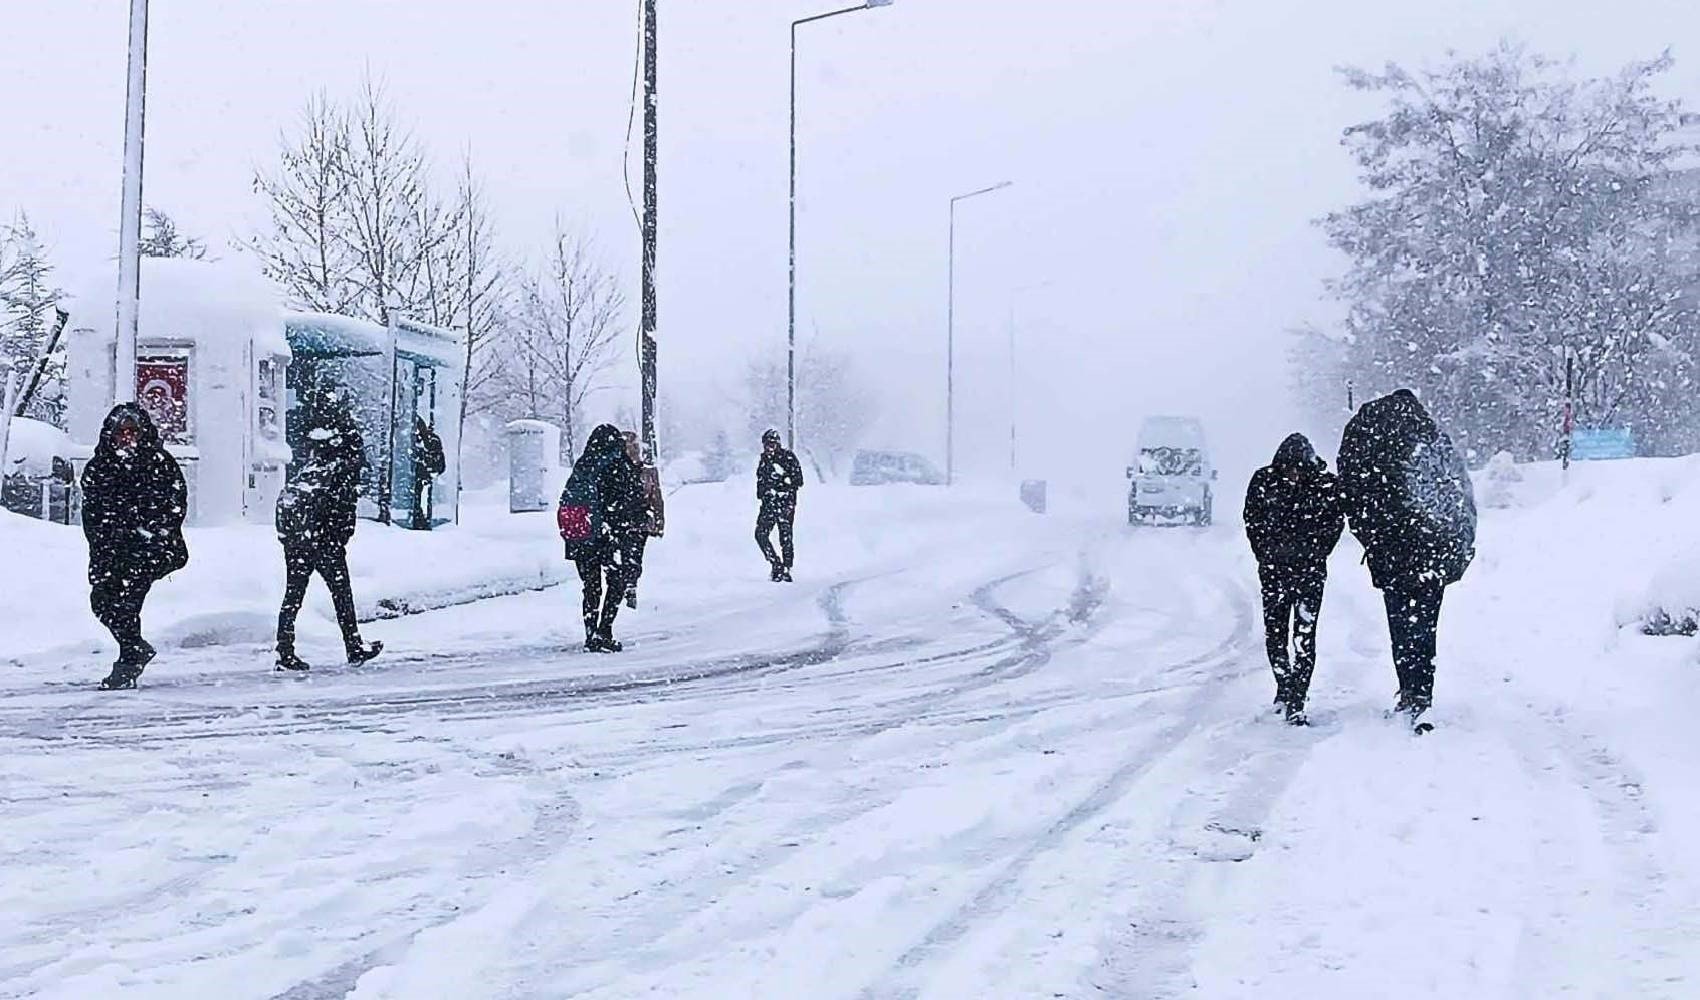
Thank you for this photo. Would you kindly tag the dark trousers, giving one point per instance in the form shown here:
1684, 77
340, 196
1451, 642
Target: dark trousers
117, 605
631, 560
604, 586
782, 515
1292, 600
331, 563
1413, 618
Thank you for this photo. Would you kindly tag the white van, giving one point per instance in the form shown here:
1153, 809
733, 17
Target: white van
1172, 477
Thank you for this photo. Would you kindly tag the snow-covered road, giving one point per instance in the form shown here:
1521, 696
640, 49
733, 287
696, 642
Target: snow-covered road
946, 768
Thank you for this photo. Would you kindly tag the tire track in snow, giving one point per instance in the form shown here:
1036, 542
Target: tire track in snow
1000, 892
687, 895
250, 928
360, 712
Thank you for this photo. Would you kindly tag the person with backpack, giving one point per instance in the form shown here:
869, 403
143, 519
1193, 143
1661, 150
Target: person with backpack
1410, 502
779, 476
599, 507
428, 463
644, 522
134, 503
1294, 516
316, 514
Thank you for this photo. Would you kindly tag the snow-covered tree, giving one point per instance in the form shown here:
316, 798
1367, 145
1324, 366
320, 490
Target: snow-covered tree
556, 351
28, 304
1519, 219
835, 406
162, 238
356, 227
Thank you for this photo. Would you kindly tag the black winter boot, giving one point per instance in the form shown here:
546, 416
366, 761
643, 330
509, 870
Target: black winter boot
359, 652
287, 660
122, 678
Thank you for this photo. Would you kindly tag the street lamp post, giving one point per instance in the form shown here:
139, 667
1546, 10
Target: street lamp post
950, 338
791, 293
130, 222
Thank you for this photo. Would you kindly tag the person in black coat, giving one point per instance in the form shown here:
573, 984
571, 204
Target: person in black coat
428, 463
778, 478
316, 514
1411, 504
606, 486
1294, 515
134, 502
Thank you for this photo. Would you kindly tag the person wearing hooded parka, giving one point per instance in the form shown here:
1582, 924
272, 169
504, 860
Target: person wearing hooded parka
1411, 504
316, 515
1294, 516
601, 505
134, 503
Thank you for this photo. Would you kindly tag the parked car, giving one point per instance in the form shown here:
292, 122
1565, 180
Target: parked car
877, 468
1172, 477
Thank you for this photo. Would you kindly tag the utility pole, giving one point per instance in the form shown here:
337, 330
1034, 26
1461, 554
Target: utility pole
130, 222
646, 335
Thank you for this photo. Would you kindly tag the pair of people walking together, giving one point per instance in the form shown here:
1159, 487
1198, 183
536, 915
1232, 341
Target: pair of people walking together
1403, 488
610, 508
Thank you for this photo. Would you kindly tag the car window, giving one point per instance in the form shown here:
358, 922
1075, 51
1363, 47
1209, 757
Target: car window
1171, 462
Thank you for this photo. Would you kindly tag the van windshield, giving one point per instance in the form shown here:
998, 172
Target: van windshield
1171, 462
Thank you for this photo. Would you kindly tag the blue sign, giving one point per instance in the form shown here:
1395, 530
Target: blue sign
1599, 443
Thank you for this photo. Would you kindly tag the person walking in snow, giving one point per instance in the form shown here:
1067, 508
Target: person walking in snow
1294, 515
428, 463
315, 522
600, 506
643, 523
1410, 502
778, 478
134, 502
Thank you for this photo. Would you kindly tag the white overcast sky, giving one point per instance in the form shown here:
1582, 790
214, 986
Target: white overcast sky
1168, 158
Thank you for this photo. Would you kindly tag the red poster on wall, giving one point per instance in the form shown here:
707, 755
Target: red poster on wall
162, 389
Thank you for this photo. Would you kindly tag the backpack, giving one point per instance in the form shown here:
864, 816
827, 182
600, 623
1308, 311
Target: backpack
574, 522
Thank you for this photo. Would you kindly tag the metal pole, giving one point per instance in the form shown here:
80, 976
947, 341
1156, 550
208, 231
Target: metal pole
791, 275
1567, 444
950, 338
950, 356
8, 389
1012, 384
130, 222
646, 343
791, 269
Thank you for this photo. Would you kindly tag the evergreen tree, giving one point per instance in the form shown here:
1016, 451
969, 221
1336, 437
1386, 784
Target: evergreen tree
28, 303
162, 238
1520, 220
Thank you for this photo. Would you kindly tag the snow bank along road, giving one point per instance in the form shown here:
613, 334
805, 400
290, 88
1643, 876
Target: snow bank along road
1034, 768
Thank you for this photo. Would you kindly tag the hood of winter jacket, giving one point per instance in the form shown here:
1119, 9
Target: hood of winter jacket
128, 415
1297, 455
605, 440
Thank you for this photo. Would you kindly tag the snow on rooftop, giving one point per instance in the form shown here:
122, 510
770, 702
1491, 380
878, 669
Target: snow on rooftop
192, 300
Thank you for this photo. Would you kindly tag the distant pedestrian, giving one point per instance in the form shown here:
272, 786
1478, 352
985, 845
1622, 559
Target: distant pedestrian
1294, 515
1411, 504
316, 514
134, 502
648, 521
428, 464
596, 513
779, 476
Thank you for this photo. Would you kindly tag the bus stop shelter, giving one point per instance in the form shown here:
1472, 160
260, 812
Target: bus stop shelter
393, 379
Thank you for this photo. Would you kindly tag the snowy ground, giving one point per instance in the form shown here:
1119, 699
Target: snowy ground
973, 753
